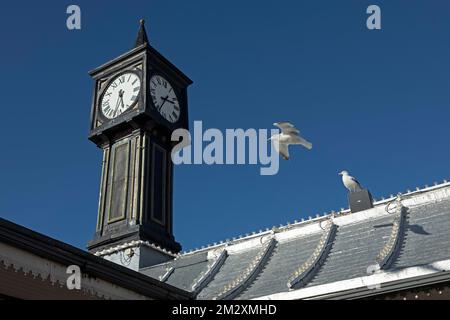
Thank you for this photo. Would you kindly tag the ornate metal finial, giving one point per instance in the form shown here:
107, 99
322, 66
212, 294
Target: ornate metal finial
142, 34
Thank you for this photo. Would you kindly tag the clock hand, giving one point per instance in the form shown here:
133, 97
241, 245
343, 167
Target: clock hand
160, 107
118, 101
166, 99
115, 109
121, 101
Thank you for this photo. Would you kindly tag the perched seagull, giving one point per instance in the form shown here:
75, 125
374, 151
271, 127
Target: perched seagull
350, 182
289, 135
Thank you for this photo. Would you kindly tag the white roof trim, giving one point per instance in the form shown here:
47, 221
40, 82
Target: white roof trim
293, 231
205, 277
371, 282
134, 244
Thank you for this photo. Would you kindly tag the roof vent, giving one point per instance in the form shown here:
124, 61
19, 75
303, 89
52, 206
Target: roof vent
360, 200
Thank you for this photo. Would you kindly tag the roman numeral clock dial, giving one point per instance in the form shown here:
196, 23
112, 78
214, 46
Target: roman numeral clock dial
121, 94
164, 98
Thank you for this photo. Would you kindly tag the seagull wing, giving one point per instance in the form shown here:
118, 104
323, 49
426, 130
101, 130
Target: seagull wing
299, 140
292, 131
286, 127
356, 181
290, 135
283, 124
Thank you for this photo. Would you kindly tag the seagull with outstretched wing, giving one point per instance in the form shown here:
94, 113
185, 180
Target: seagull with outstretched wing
350, 182
289, 135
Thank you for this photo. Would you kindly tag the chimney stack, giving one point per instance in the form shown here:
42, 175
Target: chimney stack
360, 200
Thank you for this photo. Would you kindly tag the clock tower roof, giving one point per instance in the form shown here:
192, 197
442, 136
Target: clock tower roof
141, 44
142, 35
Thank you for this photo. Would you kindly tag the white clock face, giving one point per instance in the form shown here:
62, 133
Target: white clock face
120, 95
164, 98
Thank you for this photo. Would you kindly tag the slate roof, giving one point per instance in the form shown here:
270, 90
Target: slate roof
396, 234
427, 235
354, 249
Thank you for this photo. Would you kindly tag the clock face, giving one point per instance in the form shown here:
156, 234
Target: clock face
164, 98
121, 94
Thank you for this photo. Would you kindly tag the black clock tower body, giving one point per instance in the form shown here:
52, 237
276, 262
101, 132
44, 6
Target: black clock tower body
136, 189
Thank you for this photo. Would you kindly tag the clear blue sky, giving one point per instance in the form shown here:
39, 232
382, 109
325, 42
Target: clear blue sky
376, 103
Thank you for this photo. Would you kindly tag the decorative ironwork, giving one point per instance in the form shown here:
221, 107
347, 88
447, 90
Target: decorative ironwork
387, 252
322, 248
205, 277
232, 289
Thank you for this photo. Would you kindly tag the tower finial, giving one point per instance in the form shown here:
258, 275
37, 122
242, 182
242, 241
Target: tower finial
142, 34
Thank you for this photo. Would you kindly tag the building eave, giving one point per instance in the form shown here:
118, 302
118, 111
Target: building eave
57, 251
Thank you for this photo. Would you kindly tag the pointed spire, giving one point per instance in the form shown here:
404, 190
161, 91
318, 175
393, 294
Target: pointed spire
142, 35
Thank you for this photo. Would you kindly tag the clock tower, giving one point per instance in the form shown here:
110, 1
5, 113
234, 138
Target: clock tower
139, 99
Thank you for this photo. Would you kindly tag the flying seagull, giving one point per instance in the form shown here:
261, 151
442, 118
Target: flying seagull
350, 182
289, 135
